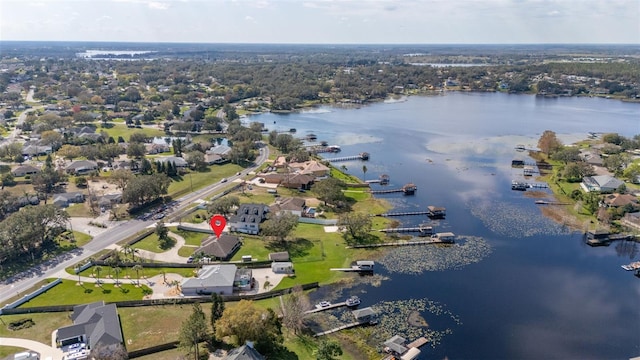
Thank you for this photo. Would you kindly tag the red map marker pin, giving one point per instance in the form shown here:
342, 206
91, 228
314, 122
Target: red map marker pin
218, 222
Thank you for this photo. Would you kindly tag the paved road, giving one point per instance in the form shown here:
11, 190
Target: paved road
45, 351
20, 283
21, 118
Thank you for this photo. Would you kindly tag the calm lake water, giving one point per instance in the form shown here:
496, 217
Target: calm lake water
540, 292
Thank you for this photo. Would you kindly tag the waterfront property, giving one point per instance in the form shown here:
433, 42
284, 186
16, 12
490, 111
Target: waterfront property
601, 183
436, 211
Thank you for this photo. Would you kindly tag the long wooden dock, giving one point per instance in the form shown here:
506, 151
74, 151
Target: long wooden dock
426, 230
418, 342
347, 326
362, 156
407, 213
402, 243
332, 306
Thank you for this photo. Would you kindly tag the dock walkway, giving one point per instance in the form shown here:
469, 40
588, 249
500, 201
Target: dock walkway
332, 306
347, 326
401, 243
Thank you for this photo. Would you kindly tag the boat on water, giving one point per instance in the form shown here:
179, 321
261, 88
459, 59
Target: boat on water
633, 266
515, 185
520, 147
323, 304
292, 130
353, 301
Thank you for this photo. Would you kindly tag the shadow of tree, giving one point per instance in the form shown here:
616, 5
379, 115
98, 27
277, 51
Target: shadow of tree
296, 248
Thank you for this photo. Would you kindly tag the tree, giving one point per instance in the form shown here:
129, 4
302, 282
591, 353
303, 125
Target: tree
97, 269
117, 270
81, 181
328, 350
136, 150
121, 177
109, 352
279, 226
248, 322
138, 137
223, 205
193, 330
46, 180
162, 232
330, 190
357, 226
293, 312
137, 268
82, 117
549, 143
364, 172
567, 154
145, 188
632, 173
69, 152
177, 145
217, 308
52, 138
575, 171
196, 160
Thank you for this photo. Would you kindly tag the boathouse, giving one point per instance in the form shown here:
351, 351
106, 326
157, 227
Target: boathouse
436, 211
365, 315
365, 265
444, 237
409, 189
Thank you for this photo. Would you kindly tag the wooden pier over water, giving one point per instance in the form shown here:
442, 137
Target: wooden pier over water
364, 156
403, 243
407, 189
332, 306
424, 230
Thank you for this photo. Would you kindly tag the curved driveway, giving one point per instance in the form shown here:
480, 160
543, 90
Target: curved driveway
45, 351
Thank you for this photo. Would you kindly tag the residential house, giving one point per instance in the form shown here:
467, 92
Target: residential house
211, 159
93, 324
397, 345
601, 183
592, 158
221, 248
64, 199
631, 220
311, 167
211, 279
248, 218
244, 352
222, 150
109, 200
82, 167
23, 170
620, 200
294, 206
156, 148
36, 150
292, 181
176, 161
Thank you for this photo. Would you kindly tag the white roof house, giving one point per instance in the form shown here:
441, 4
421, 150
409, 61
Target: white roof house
602, 183
211, 278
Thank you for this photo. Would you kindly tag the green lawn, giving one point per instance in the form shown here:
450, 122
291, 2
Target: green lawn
44, 325
120, 129
69, 293
153, 325
196, 180
70, 240
149, 243
145, 273
190, 237
187, 251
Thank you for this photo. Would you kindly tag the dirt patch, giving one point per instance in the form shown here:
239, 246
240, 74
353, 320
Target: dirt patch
536, 194
561, 216
415, 319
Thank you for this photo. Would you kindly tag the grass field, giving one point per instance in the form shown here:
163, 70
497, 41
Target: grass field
45, 324
120, 129
69, 293
196, 180
149, 243
190, 237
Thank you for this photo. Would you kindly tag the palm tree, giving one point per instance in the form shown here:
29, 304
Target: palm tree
97, 270
117, 271
343, 168
364, 171
137, 268
126, 249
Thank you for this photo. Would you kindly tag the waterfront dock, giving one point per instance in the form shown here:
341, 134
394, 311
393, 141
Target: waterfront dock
347, 326
633, 266
600, 238
359, 266
523, 186
332, 306
364, 156
407, 189
429, 241
422, 229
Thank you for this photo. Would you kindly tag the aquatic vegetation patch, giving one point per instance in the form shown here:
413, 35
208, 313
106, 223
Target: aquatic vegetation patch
420, 258
513, 220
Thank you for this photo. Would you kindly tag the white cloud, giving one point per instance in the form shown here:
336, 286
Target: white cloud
158, 5
249, 18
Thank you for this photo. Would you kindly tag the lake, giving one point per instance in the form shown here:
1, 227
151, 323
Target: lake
517, 286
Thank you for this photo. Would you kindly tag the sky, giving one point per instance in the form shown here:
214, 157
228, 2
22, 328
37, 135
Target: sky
324, 21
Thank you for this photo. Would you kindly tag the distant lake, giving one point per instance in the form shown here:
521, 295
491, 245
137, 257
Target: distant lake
531, 289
